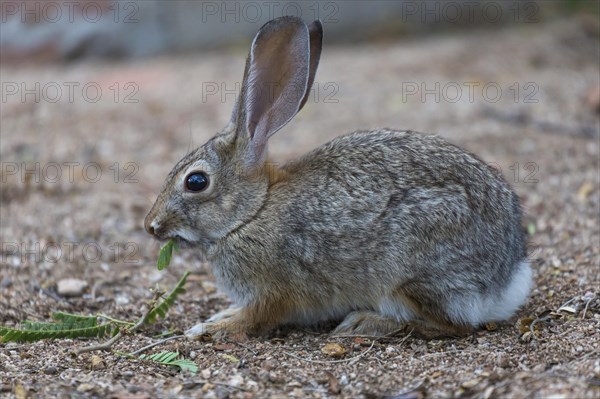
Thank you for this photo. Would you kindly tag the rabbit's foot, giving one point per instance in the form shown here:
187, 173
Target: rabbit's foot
227, 322
237, 323
368, 323
217, 330
198, 329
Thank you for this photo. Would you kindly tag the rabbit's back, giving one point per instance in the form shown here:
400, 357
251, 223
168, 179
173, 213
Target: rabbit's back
401, 182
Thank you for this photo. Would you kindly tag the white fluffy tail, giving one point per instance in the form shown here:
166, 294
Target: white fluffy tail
480, 309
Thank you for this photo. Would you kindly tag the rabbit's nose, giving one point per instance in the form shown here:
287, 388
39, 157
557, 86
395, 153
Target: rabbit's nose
151, 226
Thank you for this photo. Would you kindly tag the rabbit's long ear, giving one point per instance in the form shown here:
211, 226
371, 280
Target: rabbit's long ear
275, 81
316, 43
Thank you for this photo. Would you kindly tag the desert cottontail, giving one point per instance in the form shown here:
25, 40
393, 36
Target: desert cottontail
378, 228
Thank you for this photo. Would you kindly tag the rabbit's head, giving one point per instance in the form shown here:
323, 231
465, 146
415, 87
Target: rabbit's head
221, 185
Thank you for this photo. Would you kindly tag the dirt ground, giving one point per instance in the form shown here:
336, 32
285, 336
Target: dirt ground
542, 130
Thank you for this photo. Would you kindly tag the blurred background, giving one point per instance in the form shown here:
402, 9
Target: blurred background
70, 30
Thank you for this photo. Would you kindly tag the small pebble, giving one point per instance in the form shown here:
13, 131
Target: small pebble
538, 368
207, 387
502, 360
97, 362
269, 364
6, 282
127, 374
71, 287
122, 299
470, 384
85, 387
236, 380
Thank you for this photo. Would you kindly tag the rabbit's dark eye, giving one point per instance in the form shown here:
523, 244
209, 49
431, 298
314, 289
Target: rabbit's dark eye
196, 182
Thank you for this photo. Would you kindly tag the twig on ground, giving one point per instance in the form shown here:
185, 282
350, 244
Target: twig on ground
152, 345
247, 348
13, 348
586, 307
566, 303
103, 346
595, 352
332, 361
50, 294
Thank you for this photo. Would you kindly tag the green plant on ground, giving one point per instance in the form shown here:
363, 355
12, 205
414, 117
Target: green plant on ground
67, 325
170, 359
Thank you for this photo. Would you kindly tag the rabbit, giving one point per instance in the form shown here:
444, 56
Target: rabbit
378, 229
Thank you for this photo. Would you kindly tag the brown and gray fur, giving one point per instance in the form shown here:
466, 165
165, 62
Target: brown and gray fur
379, 227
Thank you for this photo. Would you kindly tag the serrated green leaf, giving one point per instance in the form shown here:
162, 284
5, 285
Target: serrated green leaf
165, 254
75, 318
162, 308
170, 359
185, 364
53, 331
63, 321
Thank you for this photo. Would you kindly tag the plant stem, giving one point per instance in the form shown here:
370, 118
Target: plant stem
116, 321
103, 346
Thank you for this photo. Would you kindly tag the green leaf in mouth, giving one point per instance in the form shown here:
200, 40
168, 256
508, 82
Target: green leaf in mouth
165, 254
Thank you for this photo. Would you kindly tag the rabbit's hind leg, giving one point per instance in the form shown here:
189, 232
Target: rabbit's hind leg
392, 315
368, 323
426, 317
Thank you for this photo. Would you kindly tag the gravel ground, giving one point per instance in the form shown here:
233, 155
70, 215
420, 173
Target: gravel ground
542, 131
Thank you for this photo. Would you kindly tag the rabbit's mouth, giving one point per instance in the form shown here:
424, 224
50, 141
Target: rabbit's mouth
182, 242
187, 240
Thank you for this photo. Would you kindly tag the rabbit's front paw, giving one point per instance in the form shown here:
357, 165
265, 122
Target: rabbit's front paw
230, 322
216, 330
197, 330
367, 323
